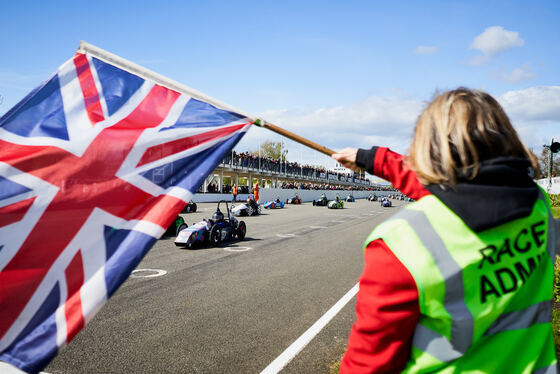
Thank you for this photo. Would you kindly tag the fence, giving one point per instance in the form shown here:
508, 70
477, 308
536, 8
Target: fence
551, 187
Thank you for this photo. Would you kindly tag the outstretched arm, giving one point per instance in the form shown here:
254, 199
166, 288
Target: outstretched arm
386, 164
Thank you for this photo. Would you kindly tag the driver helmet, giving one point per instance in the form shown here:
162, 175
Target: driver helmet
218, 216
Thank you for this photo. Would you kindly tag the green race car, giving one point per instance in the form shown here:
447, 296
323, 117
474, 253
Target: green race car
177, 225
337, 203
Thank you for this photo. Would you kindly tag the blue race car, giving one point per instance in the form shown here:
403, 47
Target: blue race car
274, 204
212, 231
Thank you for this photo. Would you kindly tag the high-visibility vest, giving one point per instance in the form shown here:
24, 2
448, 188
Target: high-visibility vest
235, 190
485, 298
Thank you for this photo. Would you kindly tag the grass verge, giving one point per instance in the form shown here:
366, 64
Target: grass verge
555, 202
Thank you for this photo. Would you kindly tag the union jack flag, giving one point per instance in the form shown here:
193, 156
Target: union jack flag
94, 165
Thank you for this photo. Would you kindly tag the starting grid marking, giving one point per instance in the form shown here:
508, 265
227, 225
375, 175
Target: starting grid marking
237, 249
152, 273
286, 235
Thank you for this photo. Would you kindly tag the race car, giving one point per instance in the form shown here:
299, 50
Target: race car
322, 201
350, 198
294, 200
249, 208
385, 202
190, 207
212, 231
336, 203
372, 197
274, 204
177, 225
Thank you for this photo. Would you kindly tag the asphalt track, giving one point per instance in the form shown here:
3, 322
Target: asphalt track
234, 308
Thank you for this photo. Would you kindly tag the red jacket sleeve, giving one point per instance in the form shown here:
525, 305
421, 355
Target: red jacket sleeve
389, 165
387, 312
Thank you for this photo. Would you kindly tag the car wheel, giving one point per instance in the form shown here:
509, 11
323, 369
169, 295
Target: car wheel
215, 235
250, 210
194, 207
241, 230
313, 202
188, 208
182, 226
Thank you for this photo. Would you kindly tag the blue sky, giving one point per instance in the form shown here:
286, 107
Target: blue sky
354, 73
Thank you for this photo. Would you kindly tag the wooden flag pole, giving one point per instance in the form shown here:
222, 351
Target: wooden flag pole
288, 134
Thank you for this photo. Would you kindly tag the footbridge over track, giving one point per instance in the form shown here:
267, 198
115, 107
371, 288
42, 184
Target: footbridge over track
227, 174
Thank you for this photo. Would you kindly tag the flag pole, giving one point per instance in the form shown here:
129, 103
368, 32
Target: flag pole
290, 135
176, 86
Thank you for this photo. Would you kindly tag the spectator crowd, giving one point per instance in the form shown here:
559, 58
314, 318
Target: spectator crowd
250, 160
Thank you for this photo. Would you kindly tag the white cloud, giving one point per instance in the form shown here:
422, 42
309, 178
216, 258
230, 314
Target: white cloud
541, 103
535, 113
351, 125
426, 49
493, 41
519, 74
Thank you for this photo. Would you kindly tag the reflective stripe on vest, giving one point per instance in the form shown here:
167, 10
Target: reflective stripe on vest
462, 326
552, 369
462, 321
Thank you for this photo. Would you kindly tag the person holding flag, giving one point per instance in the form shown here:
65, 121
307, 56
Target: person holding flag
461, 280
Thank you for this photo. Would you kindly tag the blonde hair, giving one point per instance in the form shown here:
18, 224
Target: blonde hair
457, 131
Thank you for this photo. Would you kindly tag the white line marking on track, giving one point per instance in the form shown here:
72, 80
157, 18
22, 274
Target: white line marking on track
318, 227
154, 273
237, 249
286, 235
285, 357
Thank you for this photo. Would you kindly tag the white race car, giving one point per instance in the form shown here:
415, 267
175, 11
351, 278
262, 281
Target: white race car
248, 208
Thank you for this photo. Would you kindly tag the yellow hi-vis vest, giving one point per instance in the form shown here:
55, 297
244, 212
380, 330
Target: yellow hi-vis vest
485, 298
